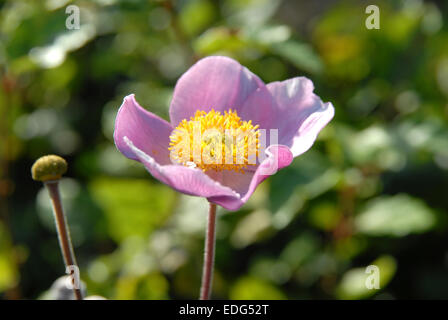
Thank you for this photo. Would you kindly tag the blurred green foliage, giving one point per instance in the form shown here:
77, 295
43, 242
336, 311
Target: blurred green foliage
373, 189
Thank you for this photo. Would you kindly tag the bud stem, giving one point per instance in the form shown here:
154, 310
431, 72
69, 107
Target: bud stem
63, 234
209, 254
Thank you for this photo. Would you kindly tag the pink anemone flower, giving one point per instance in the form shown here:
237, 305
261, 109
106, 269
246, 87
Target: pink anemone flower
217, 91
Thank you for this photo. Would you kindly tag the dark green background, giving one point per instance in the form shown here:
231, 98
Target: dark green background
372, 190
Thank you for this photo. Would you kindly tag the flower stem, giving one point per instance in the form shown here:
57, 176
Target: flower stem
209, 254
64, 236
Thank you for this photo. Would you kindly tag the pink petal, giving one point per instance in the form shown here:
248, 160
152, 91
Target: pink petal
244, 184
301, 114
147, 131
184, 179
195, 182
259, 108
219, 83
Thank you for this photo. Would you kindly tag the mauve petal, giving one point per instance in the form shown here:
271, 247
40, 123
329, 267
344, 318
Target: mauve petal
195, 182
301, 114
187, 180
278, 157
147, 131
215, 82
259, 108
237, 181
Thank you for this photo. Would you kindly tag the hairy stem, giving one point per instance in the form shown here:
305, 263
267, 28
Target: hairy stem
209, 255
64, 237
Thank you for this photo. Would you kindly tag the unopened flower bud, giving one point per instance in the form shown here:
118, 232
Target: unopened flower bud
47, 168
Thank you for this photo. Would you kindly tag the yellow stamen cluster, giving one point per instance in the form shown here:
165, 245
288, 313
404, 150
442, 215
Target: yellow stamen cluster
211, 140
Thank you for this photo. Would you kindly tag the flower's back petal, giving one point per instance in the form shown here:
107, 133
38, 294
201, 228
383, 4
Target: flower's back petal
147, 131
300, 114
259, 108
215, 82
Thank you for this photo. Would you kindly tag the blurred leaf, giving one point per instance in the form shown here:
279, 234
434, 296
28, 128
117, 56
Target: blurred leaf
250, 12
269, 34
196, 15
325, 216
400, 26
300, 249
151, 287
220, 40
395, 216
132, 206
311, 174
353, 283
374, 145
274, 270
249, 288
308, 177
349, 247
8, 273
299, 54
251, 228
